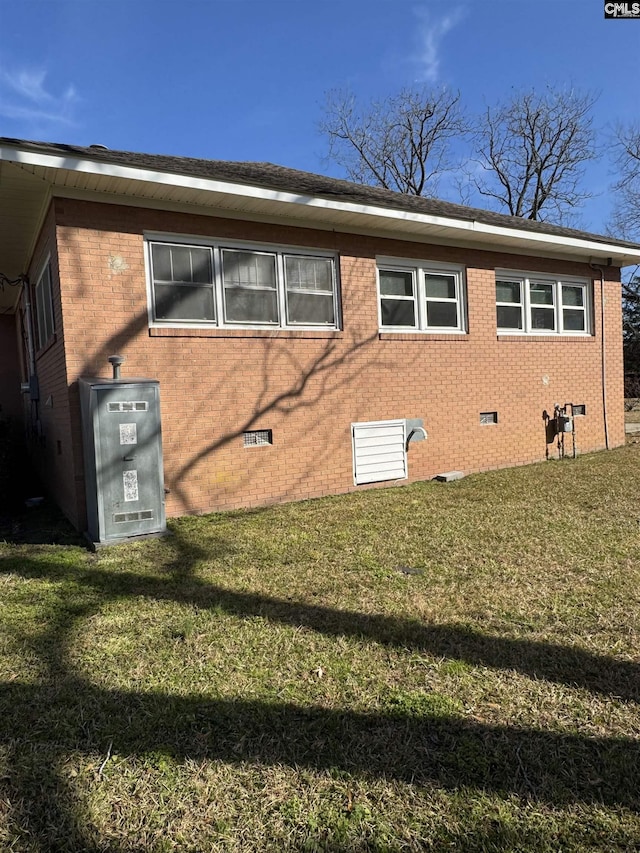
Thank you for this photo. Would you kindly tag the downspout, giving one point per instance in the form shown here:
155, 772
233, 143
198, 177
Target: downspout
600, 270
29, 324
33, 376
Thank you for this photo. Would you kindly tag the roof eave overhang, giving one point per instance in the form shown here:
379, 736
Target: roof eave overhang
108, 181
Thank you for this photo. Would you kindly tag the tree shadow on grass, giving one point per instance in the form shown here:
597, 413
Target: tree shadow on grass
44, 723
551, 662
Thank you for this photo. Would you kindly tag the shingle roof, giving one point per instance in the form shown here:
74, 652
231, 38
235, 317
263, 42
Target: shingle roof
270, 176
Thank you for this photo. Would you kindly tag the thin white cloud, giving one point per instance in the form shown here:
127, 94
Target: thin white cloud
26, 84
24, 97
431, 33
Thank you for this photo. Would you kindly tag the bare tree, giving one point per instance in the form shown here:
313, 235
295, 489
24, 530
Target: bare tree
626, 212
625, 221
532, 150
631, 332
402, 143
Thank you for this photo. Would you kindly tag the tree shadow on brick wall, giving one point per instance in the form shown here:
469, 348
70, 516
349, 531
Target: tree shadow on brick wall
333, 365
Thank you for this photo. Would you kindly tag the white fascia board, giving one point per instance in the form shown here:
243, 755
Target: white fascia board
589, 248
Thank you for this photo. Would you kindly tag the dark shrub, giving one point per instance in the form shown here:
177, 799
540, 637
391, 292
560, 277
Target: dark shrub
15, 470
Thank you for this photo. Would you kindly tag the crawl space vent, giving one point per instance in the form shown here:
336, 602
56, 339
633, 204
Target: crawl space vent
257, 438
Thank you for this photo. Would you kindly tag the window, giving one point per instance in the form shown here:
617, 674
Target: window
509, 305
417, 296
487, 418
44, 307
250, 292
540, 305
232, 285
574, 308
397, 298
309, 290
183, 282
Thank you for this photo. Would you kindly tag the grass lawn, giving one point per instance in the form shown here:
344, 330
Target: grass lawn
435, 667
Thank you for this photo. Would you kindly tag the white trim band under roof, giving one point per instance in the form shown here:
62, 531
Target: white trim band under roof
134, 173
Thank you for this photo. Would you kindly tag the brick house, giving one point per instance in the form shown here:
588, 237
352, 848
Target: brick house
300, 327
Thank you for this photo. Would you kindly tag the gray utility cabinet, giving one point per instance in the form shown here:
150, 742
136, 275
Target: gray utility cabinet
122, 458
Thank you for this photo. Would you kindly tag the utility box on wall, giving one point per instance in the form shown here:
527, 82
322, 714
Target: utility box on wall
122, 458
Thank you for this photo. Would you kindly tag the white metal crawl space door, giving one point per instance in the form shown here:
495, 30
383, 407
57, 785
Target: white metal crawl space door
379, 451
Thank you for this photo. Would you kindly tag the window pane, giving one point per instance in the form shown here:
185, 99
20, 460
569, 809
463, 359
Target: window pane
543, 318
395, 283
181, 264
572, 295
201, 265
508, 291
309, 273
442, 314
310, 308
440, 286
398, 312
161, 256
48, 305
184, 302
246, 269
42, 334
44, 308
508, 317
573, 320
541, 294
251, 306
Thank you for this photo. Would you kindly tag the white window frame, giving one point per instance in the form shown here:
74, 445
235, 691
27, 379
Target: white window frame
526, 280
419, 270
307, 291
217, 246
520, 304
43, 298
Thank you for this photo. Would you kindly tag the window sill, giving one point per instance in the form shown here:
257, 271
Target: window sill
186, 332
421, 336
581, 337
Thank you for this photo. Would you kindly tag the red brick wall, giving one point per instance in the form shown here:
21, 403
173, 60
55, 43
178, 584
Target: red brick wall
310, 387
53, 441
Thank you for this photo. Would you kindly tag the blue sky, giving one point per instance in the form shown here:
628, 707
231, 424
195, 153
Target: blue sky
245, 80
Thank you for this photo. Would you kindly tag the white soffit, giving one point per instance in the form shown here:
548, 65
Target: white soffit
23, 203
